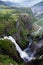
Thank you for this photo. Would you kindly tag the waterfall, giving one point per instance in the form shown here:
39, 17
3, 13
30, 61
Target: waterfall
26, 54
13, 40
22, 53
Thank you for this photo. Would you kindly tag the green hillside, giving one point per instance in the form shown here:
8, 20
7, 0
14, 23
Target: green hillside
40, 22
15, 22
9, 19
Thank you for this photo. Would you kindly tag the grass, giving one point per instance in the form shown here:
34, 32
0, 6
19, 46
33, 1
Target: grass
40, 22
2, 27
12, 31
41, 63
8, 20
8, 48
6, 60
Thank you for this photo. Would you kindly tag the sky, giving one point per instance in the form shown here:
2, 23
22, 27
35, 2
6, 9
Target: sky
25, 3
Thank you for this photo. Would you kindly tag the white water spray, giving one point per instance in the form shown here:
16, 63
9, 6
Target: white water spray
22, 53
27, 54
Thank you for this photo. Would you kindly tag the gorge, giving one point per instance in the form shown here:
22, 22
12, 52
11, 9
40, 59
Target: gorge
27, 54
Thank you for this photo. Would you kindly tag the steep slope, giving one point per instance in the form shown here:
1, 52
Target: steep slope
16, 25
12, 4
2, 3
7, 3
38, 9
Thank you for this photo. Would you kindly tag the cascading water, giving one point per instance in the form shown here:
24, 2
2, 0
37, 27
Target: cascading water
29, 51
26, 54
23, 53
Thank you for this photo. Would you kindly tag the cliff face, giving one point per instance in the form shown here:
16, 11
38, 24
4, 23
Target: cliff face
18, 29
38, 9
17, 26
24, 26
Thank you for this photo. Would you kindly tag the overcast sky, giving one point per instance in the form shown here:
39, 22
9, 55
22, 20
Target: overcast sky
25, 2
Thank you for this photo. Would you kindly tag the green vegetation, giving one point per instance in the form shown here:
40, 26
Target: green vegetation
18, 26
7, 48
5, 60
40, 22
9, 18
41, 63
17, 10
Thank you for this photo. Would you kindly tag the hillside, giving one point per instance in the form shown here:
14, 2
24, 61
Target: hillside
9, 19
2, 3
38, 10
16, 22
10, 4
15, 25
7, 3
20, 11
